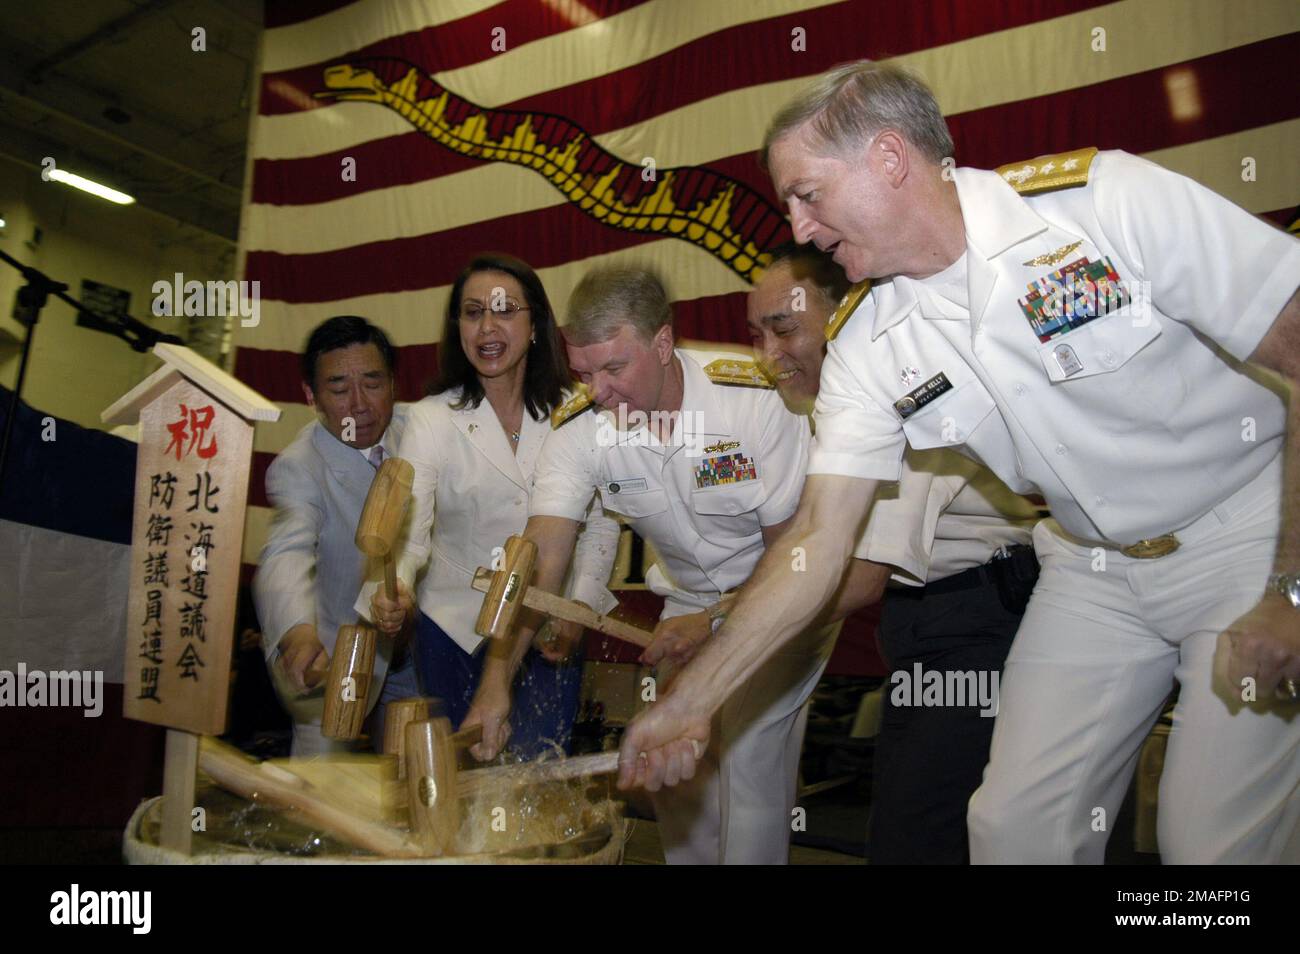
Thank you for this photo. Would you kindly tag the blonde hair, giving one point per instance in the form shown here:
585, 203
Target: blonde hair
608, 299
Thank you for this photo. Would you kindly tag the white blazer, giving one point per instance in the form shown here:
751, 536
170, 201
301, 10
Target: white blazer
470, 494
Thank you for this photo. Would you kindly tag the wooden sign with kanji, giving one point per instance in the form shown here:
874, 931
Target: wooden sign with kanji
191, 485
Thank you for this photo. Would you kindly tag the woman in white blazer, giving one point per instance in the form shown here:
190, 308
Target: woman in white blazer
473, 443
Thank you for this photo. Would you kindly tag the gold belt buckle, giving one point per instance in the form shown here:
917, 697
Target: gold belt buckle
1150, 549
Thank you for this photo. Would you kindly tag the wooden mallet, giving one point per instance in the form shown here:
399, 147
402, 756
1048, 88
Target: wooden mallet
381, 517
435, 785
347, 693
346, 703
401, 713
433, 794
508, 591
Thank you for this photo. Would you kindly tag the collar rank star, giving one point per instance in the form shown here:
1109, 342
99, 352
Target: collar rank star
916, 399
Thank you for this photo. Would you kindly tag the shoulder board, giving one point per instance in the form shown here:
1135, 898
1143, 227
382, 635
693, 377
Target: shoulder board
1031, 176
571, 408
847, 306
1294, 227
737, 371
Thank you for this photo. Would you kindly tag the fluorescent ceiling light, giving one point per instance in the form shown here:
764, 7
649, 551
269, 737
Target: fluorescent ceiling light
89, 185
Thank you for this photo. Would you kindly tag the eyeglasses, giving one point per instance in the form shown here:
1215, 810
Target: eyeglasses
474, 310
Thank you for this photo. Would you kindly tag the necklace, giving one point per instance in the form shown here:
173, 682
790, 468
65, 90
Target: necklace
514, 436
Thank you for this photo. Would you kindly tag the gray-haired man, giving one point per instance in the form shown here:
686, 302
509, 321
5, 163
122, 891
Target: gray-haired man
1083, 339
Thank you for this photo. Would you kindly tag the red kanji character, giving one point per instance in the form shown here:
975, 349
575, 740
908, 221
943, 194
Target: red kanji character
200, 421
178, 433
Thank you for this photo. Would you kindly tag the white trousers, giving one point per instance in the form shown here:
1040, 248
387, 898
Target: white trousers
737, 809
1094, 659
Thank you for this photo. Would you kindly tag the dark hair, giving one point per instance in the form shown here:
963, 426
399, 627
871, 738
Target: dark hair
808, 261
547, 373
342, 331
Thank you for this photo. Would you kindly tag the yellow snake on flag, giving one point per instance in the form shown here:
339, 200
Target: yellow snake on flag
715, 212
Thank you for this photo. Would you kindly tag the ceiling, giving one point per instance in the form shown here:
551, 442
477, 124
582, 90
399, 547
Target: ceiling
113, 90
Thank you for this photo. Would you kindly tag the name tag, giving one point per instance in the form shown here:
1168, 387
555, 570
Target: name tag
627, 485
916, 399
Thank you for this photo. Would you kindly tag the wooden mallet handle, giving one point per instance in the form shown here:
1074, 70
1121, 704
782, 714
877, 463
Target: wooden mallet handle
549, 770
235, 772
560, 608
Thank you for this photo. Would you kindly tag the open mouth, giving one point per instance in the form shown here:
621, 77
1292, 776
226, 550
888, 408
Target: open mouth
783, 376
492, 351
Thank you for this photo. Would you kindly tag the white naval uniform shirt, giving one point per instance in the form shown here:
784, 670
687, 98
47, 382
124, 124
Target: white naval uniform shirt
946, 514
1140, 427
705, 528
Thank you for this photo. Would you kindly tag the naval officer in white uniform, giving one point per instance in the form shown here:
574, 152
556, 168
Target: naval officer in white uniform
1088, 337
953, 544
699, 456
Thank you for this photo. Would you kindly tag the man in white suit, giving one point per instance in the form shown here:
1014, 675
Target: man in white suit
310, 568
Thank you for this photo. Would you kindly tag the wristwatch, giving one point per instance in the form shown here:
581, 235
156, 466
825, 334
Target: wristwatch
1288, 585
717, 613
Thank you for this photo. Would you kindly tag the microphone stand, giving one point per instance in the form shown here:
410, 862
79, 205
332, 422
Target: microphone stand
32, 297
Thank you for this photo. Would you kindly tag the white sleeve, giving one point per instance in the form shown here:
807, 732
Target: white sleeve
284, 588
1210, 263
593, 560
855, 436
564, 479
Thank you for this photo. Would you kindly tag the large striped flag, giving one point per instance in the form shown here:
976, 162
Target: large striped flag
394, 139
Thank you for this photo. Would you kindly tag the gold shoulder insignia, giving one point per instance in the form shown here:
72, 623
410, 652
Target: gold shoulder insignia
571, 408
847, 306
737, 371
1046, 173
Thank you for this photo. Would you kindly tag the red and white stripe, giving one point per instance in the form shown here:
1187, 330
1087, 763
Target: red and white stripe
1196, 85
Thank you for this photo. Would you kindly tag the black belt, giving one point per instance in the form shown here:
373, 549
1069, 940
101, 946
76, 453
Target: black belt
1019, 562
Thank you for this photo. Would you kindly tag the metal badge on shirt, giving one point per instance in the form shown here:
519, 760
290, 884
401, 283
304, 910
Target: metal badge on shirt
727, 469
914, 400
1072, 296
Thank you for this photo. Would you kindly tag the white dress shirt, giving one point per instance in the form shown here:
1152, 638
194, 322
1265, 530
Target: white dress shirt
1131, 425
470, 493
735, 465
